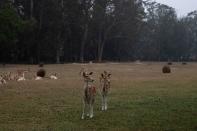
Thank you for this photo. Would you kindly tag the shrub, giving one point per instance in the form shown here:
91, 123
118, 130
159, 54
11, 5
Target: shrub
41, 73
169, 63
184, 63
166, 69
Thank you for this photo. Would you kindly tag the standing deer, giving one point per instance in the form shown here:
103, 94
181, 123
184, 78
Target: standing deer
104, 87
89, 95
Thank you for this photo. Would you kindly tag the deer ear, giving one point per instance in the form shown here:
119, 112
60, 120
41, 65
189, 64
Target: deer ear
102, 75
109, 75
90, 73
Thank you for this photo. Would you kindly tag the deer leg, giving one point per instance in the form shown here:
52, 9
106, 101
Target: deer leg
91, 111
84, 108
88, 110
105, 102
103, 105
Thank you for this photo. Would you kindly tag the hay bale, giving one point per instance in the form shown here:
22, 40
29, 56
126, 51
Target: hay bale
166, 69
41, 64
41, 73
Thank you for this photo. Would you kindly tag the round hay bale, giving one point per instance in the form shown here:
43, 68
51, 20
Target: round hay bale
41, 64
41, 73
166, 69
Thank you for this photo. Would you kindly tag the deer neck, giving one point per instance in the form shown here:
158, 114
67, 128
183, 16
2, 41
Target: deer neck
87, 84
106, 84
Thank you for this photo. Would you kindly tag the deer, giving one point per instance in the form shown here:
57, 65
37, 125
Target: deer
104, 88
88, 95
2, 80
53, 76
9, 76
21, 75
38, 78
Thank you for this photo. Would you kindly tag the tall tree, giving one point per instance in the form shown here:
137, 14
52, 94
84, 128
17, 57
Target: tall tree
86, 8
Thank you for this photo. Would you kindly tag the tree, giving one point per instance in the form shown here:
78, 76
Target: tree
116, 20
160, 37
10, 25
86, 8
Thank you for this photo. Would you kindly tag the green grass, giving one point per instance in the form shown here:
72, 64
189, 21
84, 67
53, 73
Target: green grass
140, 99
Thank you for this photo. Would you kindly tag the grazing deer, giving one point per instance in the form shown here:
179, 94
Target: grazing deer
89, 95
104, 88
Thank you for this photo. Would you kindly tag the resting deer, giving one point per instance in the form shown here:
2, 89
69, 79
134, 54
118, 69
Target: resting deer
2, 80
105, 86
53, 76
21, 76
89, 95
38, 78
6, 76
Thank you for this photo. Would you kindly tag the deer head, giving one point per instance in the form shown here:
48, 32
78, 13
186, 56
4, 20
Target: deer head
87, 77
105, 77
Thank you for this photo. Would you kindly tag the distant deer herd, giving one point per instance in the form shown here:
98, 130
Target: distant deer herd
89, 90
19, 75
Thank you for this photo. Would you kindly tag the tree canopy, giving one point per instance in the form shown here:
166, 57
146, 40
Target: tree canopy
94, 30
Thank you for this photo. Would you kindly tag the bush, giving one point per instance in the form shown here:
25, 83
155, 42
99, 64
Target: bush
184, 63
169, 63
166, 69
41, 73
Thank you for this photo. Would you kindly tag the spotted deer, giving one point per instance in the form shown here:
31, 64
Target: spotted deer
2, 80
88, 95
53, 76
21, 75
104, 88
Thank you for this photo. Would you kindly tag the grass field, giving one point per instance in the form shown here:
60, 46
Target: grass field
141, 98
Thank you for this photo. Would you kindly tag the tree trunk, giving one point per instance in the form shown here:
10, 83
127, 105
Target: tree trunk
100, 53
31, 9
101, 47
102, 40
58, 57
38, 36
60, 43
99, 57
84, 39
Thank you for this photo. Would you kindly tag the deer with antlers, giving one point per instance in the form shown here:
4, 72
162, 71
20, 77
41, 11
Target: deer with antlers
89, 95
104, 88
